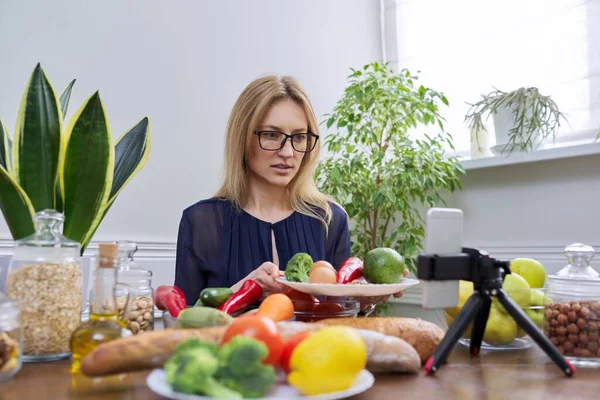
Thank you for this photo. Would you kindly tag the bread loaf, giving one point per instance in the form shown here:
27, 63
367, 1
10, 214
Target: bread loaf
422, 335
384, 353
139, 352
152, 349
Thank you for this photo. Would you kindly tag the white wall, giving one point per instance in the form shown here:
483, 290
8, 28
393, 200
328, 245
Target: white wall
182, 64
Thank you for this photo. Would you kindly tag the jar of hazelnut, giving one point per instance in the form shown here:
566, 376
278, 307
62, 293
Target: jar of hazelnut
572, 317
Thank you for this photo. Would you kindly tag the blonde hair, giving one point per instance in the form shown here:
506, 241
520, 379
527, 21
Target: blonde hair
248, 112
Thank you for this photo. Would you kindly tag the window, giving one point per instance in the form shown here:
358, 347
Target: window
465, 48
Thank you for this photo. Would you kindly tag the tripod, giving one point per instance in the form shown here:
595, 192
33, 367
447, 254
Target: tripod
487, 276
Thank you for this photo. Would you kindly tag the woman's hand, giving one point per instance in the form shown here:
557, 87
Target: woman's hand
367, 303
266, 276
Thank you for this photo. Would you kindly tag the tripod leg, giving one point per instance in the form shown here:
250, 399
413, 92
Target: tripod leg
524, 322
479, 325
455, 330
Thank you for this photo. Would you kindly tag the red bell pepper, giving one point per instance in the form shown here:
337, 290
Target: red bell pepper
170, 298
249, 293
350, 270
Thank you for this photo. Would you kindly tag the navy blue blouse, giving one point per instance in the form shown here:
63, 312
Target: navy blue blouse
217, 245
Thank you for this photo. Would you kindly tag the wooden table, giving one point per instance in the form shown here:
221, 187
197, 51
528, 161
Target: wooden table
526, 374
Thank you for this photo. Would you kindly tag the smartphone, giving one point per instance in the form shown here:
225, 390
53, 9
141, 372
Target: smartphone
443, 234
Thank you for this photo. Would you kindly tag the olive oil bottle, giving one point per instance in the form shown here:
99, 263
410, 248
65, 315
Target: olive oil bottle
104, 323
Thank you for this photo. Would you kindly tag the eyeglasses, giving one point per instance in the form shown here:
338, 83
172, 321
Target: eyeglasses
273, 140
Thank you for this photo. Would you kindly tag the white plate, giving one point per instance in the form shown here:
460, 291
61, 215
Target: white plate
157, 382
351, 290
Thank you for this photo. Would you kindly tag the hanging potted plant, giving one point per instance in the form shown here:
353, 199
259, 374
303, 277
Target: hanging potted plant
75, 168
522, 118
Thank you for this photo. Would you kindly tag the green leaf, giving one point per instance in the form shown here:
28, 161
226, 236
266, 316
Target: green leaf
65, 97
330, 122
37, 141
131, 154
87, 175
4, 147
16, 207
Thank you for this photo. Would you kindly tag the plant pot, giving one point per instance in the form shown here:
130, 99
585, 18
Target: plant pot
503, 122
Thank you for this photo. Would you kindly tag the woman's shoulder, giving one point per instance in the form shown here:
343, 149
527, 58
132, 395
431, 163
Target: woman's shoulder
208, 206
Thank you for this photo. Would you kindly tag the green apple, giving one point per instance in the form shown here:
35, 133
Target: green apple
538, 298
518, 289
500, 329
532, 270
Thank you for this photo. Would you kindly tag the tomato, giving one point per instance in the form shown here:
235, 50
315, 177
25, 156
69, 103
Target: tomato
260, 328
328, 308
302, 301
288, 348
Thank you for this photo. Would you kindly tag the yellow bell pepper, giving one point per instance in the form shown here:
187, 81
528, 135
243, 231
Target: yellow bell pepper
327, 361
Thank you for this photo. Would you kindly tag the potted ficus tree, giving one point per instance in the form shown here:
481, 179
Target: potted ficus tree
522, 118
376, 171
75, 168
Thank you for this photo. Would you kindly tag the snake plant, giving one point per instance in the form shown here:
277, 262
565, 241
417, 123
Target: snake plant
75, 168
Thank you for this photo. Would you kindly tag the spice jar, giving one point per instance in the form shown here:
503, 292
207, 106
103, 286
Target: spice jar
139, 282
572, 321
45, 276
10, 338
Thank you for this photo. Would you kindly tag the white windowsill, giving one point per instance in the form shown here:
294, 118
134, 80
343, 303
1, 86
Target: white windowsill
535, 156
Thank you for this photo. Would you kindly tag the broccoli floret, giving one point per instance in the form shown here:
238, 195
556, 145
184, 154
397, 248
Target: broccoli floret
241, 368
192, 370
298, 267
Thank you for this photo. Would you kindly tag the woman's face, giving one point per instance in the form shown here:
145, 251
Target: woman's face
278, 167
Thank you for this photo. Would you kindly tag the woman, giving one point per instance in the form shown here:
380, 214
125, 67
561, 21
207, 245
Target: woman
268, 207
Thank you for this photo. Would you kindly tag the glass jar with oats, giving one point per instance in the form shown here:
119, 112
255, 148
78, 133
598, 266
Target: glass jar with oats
44, 275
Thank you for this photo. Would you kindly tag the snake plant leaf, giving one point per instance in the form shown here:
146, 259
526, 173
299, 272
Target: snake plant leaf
16, 206
87, 174
131, 154
37, 141
4, 147
65, 97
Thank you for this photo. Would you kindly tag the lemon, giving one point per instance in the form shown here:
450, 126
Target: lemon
327, 361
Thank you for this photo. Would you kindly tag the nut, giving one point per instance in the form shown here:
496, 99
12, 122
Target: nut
141, 311
573, 315
134, 326
573, 338
572, 328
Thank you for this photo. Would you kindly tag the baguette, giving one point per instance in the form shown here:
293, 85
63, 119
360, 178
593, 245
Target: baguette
147, 350
152, 349
422, 335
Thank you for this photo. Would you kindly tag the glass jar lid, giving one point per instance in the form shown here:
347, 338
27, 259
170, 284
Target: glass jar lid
134, 277
47, 233
127, 249
578, 278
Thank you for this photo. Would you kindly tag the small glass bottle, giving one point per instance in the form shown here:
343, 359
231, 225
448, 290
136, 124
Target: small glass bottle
104, 323
10, 338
